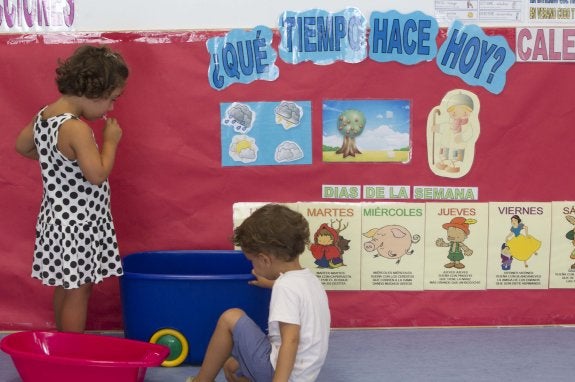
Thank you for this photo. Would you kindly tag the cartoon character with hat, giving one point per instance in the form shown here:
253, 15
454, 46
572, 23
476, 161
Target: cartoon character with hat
457, 130
457, 232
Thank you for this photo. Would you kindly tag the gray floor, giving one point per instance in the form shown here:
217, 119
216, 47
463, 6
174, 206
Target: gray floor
440, 354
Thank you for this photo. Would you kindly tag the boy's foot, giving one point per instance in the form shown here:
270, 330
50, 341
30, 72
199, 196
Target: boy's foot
459, 265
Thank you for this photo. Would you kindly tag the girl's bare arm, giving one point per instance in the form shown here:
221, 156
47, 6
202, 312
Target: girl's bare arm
76, 138
25, 142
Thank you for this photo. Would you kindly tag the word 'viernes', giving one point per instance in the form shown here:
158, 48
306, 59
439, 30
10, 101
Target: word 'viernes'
521, 210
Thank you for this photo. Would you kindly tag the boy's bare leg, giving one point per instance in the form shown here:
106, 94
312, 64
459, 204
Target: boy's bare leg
231, 367
220, 346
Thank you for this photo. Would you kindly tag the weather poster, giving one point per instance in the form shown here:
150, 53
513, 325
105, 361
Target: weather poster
366, 131
266, 133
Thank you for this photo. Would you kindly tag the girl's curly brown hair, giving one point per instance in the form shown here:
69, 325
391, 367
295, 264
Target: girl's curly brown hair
273, 229
92, 72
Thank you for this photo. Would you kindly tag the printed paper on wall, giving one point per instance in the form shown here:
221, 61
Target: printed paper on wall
334, 252
519, 245
562, 262
392, 253
266, 133
456, 246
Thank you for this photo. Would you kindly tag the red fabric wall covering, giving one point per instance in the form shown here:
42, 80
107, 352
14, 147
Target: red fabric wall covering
169, 190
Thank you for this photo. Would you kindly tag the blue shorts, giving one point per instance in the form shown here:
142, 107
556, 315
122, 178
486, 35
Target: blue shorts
252, 351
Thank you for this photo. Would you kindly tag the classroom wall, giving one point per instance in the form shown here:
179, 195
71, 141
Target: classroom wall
169, 190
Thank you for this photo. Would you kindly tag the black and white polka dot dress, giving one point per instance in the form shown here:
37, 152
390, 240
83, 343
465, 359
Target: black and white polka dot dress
75, 236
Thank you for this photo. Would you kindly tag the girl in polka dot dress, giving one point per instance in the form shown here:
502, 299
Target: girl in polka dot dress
75, 243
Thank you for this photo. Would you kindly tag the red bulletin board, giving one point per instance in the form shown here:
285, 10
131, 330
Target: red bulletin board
169, 190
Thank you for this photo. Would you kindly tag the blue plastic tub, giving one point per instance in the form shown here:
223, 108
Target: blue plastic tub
182, 294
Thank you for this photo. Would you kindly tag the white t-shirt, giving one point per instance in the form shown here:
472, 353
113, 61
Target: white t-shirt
299, 298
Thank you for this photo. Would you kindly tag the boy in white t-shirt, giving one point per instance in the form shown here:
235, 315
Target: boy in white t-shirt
273, 238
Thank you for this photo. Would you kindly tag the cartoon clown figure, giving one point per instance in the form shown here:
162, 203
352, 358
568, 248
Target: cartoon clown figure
453, 133
457, 232
325, 248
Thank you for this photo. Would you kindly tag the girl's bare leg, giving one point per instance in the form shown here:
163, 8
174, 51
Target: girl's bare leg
71, 308
57, 302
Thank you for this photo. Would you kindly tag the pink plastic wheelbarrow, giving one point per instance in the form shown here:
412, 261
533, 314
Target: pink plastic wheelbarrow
71, 357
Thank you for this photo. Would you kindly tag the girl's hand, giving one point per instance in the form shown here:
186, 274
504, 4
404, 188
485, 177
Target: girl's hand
112, 132
261, 281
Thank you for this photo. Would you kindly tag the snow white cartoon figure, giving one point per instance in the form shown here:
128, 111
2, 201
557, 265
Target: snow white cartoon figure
521, 245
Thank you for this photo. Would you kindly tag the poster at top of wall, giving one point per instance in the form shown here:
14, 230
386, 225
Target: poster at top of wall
551, 12
456, 246
519, 245
562, 262
392, 254
507, 11
335, 249
367, 130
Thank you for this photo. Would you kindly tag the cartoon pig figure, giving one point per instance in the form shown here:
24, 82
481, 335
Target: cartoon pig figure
390, 241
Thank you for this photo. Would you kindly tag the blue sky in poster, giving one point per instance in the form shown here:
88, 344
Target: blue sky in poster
266, 133
388, 123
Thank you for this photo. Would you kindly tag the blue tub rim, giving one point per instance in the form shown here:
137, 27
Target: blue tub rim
163, 276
